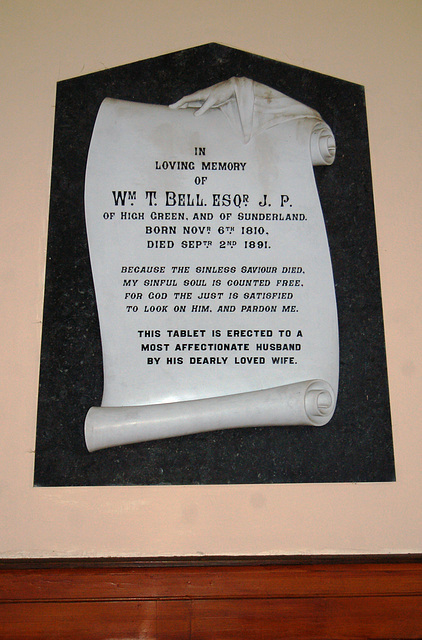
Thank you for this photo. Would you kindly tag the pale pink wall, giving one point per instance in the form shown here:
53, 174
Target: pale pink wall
376, 44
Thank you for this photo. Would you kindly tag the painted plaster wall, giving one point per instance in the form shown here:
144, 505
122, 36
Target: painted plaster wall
376, 44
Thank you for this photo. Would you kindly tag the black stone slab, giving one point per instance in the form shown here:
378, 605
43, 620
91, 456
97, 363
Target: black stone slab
356, 446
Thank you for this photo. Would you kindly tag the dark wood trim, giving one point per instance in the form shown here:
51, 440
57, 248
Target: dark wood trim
267, 598
207, 561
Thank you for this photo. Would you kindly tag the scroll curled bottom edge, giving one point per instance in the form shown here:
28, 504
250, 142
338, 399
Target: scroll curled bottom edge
310, 402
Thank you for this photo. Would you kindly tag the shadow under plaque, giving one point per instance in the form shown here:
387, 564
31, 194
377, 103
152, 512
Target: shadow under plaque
356, 443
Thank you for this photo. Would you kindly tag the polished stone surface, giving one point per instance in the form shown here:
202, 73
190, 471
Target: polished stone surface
356, 446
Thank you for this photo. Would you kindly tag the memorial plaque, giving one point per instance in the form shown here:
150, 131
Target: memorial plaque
211, 266
194, 204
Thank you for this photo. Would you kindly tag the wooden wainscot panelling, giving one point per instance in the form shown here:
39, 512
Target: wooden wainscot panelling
212, 599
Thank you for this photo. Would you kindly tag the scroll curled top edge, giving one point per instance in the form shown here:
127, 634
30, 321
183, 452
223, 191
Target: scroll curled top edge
252, 107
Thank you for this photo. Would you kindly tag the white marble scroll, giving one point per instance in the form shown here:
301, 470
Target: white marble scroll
211, 265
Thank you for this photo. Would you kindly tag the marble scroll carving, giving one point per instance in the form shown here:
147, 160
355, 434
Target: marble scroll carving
211, 265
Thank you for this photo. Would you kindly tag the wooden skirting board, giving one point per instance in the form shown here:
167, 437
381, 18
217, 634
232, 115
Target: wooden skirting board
261, 598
